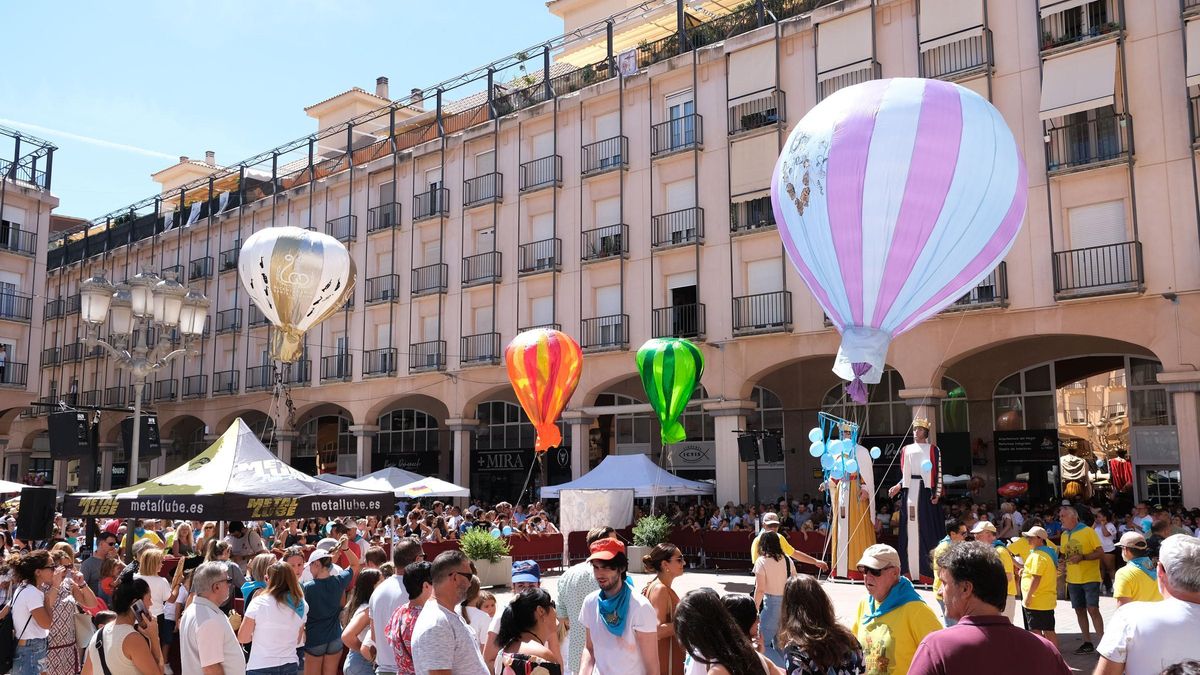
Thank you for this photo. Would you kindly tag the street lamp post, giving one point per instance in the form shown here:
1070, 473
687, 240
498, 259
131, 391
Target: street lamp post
131, 311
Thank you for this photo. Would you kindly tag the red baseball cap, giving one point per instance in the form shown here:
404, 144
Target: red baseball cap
605, 549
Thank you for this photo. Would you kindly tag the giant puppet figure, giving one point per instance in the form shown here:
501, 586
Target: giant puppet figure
922, 525
853, 498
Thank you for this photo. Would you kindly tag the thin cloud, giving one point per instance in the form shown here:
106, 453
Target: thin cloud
90, 140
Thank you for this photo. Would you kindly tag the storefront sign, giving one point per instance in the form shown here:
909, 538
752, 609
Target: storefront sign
424, 463
693, 455
1037, 445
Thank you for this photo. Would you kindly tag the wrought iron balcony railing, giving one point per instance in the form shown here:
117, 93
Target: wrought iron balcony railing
14, 374
260, 378
383, 217
1079, 24
683, 321
298, 374
343, 228
548, 326
71, 304
1099, 270
385, 288
756, 110
605, 332
72, 352
147, 394
485, 189
430, 279
16, 306
15, 240
225, 382
959, 59
681, 133
1101, 140
432, 204
751, 215
1194, 103
483, 268
426, 356
868, 70
606, 155
379, 362
541, 173
685, 226
991, 292
115, 396
201, 268
762, 313
540, 256
51, 356
480, 349
195, 386
604, 242
229, 320
166, 390
229, 257
91, 397
55, 308
337, 367
257, 318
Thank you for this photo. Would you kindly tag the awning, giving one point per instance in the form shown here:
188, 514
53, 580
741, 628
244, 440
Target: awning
1193, 52
945, 21
751, 161
1048, 7
844, 41
1079, 80
752, 70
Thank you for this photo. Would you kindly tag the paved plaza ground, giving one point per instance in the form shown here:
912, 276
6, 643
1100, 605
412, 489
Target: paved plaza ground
845, 598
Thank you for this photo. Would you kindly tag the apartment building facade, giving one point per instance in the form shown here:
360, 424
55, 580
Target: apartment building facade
614, 183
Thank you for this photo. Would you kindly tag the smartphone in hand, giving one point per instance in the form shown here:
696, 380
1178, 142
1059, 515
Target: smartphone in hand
141, 613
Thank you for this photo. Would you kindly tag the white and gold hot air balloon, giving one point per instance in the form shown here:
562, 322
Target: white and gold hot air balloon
297, 278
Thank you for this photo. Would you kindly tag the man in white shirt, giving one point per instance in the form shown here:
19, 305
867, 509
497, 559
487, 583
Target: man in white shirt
207, 644
244, 544
573, 588
622, 626
442, 643
1146, 637
386, 597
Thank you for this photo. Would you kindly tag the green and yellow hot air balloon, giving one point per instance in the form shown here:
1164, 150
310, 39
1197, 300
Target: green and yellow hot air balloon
670, 370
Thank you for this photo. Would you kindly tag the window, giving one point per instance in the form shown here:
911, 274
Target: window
1162, 485
884, 414
680, 110
629, 428
406, 431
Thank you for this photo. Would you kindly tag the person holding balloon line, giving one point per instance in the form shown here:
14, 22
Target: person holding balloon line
920, 488
853, 502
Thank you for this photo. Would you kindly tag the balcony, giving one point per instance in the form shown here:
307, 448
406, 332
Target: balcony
541, 173
1191, 7
379, 362
115, 396
16, 307
348, 305
225, 382
540, 256
383, 217
201, 268
260, 378
681, 133
15, 240
605, 333
257, 318
385, 288
752, 215
606, 155
176, 270
603, 243
547, 326
147, 394
229, 320
1088, 143
229, 258
485, 189
338, 367
96, 352
1098, 270
430, 279
195, 386
1194, 104
343, 228
72, 352
756, 110
676, 228
51, 356
166, 390
682, 321
960, 59
91, 398
480, 349
71, 304
762, 313
1079, 25
483, 268
427, 356
298, 374
14, 375
991, 292
865, 71
432, 204
55, 309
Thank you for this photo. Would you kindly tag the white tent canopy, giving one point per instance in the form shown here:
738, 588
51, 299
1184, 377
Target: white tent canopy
390, 479
8, 487
432, 487
632, 472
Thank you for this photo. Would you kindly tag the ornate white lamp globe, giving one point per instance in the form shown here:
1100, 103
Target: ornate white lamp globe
168, 300
120, 312
95, 294
141, 293
193, 314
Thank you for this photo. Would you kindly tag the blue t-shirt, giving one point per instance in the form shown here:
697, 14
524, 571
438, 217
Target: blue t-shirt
324, 597
1053, 528
268, 530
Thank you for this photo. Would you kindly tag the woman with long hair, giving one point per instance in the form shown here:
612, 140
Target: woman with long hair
357, 622
257, 571
711, 638
220, 551
771, 571
208, 534
183, 543
38, 577
666, 563
128, 640
476, 619
274, 623
528, 636
812, 641
63, 657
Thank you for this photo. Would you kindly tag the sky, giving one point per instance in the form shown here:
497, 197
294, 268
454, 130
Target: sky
123, 89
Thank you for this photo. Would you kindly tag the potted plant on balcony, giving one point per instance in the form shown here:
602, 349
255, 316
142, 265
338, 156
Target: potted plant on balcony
490, 555
648, 532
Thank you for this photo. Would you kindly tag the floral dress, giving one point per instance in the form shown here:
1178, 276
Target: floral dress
62, 657
525, 664
798, 662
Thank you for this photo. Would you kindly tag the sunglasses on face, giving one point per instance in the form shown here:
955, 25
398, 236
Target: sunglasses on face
872, 571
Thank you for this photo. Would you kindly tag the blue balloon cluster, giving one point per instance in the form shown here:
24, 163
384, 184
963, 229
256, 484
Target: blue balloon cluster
837, 455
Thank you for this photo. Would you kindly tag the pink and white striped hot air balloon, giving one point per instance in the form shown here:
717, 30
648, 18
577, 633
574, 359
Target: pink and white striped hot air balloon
894, 198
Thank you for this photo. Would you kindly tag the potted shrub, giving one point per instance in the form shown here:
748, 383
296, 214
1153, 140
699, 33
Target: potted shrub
648, 532
493, 564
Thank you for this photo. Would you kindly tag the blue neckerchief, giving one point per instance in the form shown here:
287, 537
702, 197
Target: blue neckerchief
251, 586
1144, 564
945, 540
1050, 552
901, 594
297, 604
1078, 527
614, 611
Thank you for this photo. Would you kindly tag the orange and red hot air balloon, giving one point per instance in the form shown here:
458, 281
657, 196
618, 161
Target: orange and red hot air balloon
544, 367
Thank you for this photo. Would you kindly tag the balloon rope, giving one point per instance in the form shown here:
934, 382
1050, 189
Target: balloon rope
537, 459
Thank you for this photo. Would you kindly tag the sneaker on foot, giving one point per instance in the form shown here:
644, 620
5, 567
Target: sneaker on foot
1085, 648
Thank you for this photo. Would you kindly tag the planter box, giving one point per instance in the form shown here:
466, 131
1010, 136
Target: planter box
497, 573
635, 554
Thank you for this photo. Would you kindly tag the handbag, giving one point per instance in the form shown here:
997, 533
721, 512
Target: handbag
84, 628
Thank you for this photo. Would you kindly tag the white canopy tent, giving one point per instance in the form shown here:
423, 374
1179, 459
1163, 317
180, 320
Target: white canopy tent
9, 487
432, 487
390, 479
632, 472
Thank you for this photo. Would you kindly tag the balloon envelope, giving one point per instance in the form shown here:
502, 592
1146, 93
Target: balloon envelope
894, 198
544, 367
296, 278
670, 369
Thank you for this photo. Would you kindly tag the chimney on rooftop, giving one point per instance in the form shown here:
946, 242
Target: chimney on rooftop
183, 159
210, 158
418, 99
381, 87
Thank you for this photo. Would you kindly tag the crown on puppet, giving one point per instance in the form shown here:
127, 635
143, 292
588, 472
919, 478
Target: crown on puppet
921, 422
846, 426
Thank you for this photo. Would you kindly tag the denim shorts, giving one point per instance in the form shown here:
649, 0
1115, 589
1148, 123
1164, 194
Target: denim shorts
289, 669
1084, 595
325, 649
30, 657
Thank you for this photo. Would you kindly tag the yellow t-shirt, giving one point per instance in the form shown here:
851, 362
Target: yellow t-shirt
1083, 541
1006, 557
788, 550
937, 553
1020, 547
1130, 582
1038, 564
890, 641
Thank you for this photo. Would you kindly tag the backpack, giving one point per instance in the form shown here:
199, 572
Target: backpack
8, 635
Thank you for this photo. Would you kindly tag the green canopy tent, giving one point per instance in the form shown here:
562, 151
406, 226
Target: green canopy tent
236, 478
